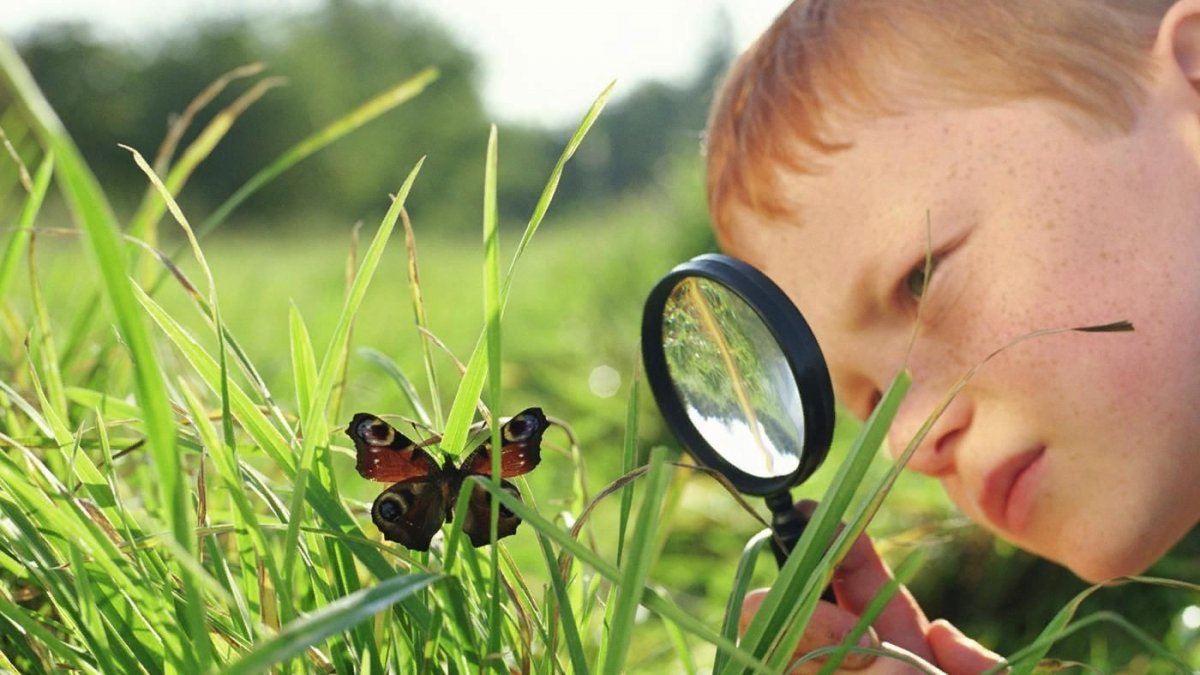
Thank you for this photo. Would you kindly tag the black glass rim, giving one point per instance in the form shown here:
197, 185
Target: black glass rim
795, 340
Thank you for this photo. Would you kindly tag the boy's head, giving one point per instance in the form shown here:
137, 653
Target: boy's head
1052, 151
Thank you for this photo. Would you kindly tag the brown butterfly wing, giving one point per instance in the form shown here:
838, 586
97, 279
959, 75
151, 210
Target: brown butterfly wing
412, 511
522, 449
386, 455
476, 523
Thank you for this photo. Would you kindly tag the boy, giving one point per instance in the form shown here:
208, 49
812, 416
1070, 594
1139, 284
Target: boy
1054, 149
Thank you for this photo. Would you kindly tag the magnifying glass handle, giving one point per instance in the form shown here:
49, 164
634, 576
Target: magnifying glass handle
788, 525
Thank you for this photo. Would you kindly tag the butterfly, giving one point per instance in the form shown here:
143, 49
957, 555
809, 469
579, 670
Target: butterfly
411, 511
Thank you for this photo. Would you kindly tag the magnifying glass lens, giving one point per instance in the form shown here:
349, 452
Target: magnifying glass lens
736, 385
740, 379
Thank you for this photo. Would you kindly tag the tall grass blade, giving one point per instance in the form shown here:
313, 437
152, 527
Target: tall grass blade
636, 568
649, 599
304, 149
491, 317
24, 230
788, 605
543, 203
331, 512
629, 462
463, 408
741, 585
143, 224
340, 615
304, 360
225, 460
1025, 661
95, 217
411, 397
566, 613
418, 300
313, 420
31, 627
903, 574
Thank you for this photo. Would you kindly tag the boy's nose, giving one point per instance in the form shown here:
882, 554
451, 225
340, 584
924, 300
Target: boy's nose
935, 454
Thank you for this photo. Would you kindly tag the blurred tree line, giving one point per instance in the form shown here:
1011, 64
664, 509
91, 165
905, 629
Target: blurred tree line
333, 59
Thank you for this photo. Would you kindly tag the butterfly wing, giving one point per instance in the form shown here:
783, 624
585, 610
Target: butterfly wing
522, 449
476, 523
412, 511
384, 454
521, 452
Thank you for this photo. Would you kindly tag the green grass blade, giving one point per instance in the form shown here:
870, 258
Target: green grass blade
650, 599
304, 361
636, 568
629, 462
794, 595
680, 644
388, 366
61, 434
95, 217
462, 411
43, 352
194, 601
343, 614
24, 230
331, 512
32, 627
418, 300
741, 584
491, 317
903, 574
314, 421
142, 224
1027, 661
543, 203
332, 132
469, 389
225, 460
566, 612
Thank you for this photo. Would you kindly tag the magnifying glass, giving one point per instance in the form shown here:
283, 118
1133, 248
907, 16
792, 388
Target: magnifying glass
739, 378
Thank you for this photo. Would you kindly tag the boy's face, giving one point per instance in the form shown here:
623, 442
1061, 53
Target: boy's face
1082, 447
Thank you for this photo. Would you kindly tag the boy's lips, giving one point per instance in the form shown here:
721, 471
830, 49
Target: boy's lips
1010, 487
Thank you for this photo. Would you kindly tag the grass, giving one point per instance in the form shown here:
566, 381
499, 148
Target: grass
176, 494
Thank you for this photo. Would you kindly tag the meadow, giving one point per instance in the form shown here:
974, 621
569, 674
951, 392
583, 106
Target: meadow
177, 493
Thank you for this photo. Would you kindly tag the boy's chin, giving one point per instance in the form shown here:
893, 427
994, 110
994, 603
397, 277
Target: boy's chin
1099, 571
1099, 564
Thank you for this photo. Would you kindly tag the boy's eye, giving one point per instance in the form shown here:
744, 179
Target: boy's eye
917, 281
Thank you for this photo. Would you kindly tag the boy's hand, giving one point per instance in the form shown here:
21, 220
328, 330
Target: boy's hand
901, 627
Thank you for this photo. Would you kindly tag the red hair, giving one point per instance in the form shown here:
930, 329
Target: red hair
824, 61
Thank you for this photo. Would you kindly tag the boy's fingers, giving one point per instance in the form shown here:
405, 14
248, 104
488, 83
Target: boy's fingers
956, 653
859, 578
829, 626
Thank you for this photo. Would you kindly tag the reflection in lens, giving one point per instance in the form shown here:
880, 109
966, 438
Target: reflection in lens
737, 386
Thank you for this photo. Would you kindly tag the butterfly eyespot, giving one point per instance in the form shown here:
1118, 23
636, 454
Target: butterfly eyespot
393, 508
517, 428
376, 432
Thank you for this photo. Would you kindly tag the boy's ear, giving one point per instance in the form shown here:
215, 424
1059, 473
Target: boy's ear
1178, 43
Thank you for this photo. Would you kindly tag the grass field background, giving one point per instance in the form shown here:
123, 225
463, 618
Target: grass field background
570, 337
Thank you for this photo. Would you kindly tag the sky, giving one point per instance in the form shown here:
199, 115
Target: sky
544, 61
